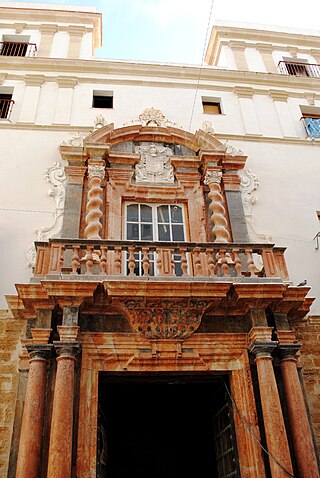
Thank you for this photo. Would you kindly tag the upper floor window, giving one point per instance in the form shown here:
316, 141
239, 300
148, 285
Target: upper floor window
17, 45
6, 104
311, 119
211, 106
102, 99
154, 222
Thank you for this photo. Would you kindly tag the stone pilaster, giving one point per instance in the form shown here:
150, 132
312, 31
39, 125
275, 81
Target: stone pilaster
280, 98
218, 216
47, 33
266, 51
238, 49
60, 448
76, 33
28, 463
248, 111
66, 85
72, 211
231, 182
274, 426
299, 424
30, 98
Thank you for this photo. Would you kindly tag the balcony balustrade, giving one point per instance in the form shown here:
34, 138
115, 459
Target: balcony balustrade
184, 260
299, 69
17, 49
6, 106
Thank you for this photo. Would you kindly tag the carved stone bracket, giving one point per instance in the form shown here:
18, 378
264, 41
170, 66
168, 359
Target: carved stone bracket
56, 176
164, 318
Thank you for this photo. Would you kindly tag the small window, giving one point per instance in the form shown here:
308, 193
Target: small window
102, 99
6, 103
211, 106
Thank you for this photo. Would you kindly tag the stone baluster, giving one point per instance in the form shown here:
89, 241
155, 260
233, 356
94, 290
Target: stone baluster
28, 464
298, 418
159, 262
131, 261
60, 448
237, 262
224, 262
197, 262
218, 216
145, 261
103, 260
250, 262
211, 264
184, 261
117, 260
75, 260
94, 213
274, 426
89, 259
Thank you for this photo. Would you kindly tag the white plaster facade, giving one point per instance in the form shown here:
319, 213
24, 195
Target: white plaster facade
261, 116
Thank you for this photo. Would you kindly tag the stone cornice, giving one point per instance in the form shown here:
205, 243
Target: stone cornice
280, 40
154, 74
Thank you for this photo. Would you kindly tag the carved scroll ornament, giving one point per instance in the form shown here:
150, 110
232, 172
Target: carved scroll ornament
164, 318
56, 176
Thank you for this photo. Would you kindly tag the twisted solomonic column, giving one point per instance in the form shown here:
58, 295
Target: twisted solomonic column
94, 213
218, 216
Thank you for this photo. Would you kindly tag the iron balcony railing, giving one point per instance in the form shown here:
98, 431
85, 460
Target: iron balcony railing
299, 69
76, 257
18, 49
6, 106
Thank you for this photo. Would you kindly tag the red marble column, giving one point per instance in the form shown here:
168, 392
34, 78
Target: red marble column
60, 448
276, 436
28, 464
299, 424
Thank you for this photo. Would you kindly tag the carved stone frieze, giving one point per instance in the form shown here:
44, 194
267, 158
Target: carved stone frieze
164, 318
154, 166
151, 117
56, 176
248, 185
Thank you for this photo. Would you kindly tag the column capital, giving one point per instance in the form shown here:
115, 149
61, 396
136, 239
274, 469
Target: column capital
238, 45
265, 47
75, 174
34, 80
40, 351
213, 177
48, 28
67, 349
76, 30
243, 91
288, 351
231, 182
96, 170
66, 81
262, 349
278, 95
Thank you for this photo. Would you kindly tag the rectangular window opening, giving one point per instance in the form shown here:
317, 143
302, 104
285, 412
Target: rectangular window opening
102, 99
211, 106
6, 104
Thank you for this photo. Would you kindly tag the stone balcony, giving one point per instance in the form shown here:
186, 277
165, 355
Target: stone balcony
79, 259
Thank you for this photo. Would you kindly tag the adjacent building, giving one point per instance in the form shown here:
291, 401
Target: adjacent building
160, 238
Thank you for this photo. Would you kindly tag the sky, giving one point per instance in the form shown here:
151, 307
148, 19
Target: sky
175, 31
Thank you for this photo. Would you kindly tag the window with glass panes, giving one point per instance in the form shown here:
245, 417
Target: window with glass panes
154, 222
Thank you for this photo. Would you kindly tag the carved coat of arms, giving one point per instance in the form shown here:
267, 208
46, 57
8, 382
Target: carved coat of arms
154, 166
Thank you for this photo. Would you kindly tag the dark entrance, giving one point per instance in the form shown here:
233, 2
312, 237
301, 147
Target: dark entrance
164, 426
